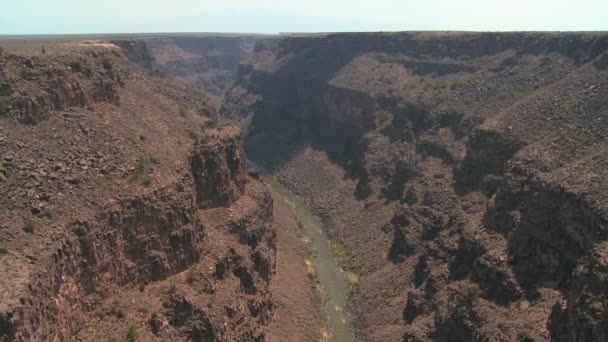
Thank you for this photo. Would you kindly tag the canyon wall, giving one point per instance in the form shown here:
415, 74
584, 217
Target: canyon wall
128, 213
464, 173
205, 63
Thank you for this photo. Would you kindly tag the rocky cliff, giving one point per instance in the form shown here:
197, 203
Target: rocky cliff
464, 173
126, 212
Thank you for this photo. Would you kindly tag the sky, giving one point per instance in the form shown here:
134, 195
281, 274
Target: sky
271, 16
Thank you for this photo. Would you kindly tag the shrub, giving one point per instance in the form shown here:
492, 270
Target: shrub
5, 103
48, 213
154, 160
116, 311
193, 135
191, 276
182, 111
140, 166
338, 249
100, 314
29, 225
204, 139
142, 287
146, 180
132, 333
3, 251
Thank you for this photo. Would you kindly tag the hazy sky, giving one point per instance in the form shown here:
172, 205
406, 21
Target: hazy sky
271, 16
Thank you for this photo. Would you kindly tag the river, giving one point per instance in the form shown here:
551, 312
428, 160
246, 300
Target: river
331, 277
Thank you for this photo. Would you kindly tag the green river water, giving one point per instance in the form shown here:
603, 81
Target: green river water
330, 275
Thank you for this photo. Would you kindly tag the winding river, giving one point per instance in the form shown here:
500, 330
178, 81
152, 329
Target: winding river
330, 275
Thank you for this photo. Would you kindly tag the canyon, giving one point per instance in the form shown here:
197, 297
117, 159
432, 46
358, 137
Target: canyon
459, 180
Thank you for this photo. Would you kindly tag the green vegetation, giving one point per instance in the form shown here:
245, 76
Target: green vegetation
585, 139
48, 213
140, 166
182, 111
191, 276
154, 160
171, 289
146, 180
433, 84
116, 311
142, 310
142, 287
132, 333
461, 82
3, 251
193, 135
142, 169
29, 225
203, 139
338, 249
100, 314
354, 289
5, 103
516, 93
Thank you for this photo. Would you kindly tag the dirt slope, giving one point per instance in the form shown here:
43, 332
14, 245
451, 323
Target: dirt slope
464, 173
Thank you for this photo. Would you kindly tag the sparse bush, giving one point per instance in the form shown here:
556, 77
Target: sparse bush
100, 314
116, 311
193, 135
204, 139
300, 224
182, 111
171, 289
142, 310
584, 139
48, 213
338, 249
132, 333
146, 180
154, 160
142, 137
140, 166
142, 287
119, 314
5, 103
3, 251
191, 276
29, 225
